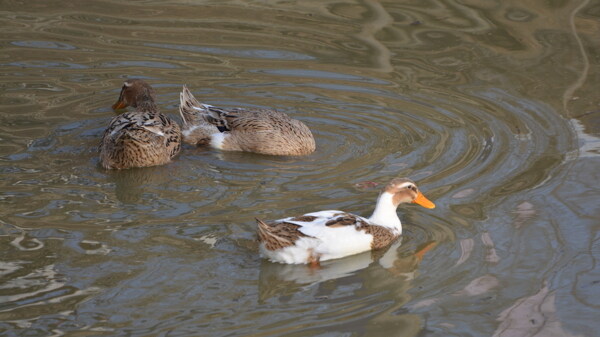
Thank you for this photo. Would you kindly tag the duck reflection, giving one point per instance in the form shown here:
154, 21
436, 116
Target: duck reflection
131, 184
286, 279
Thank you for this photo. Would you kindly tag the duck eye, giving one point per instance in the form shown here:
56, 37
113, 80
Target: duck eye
413, 187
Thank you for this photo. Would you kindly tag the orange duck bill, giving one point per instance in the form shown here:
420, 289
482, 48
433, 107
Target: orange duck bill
421, 200
120, 103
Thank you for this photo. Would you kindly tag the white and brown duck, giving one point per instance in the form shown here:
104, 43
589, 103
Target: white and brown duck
140, 138
326, 235
261, 131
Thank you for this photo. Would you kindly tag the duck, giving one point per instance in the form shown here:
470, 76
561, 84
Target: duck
140, 138
261, 131
326, 235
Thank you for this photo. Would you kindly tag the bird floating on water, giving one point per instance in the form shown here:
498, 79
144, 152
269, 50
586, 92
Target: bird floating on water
326, 235
251, 130
144, 137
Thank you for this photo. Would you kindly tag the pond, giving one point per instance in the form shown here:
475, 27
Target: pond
491, 107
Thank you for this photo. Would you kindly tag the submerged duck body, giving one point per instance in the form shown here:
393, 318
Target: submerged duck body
332, 234
261, 131
140, 138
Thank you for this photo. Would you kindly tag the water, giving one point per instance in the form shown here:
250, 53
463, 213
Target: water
491, 108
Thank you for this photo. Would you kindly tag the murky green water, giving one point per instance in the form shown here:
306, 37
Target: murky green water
492, 107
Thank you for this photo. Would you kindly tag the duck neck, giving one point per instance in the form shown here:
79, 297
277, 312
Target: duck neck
385, 212
145, 105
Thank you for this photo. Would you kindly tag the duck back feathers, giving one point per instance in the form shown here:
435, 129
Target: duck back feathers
252, 130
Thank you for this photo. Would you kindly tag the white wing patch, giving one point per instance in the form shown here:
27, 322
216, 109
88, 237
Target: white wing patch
203, 107
217, 139
189, 131
155, 130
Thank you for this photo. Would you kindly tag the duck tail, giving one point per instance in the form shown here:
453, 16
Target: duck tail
269, 237
190, 109
195, 113
263, 231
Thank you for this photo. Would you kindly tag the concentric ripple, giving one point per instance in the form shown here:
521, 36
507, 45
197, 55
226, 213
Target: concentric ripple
428, 92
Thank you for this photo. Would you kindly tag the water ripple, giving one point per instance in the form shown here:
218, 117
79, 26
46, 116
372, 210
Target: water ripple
455, 96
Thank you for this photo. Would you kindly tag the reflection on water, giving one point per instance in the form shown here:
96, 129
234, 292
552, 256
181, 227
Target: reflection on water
276, 279
534, 315
492, 109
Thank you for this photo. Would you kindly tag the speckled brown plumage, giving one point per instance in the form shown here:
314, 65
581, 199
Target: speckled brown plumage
303, 218
343, 219
382, 237
258, 130
278, 235
144, 137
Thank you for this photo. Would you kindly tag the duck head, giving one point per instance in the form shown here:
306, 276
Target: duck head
135, 92
406, 191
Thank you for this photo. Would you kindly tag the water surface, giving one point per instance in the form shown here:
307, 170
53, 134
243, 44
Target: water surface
491, 107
